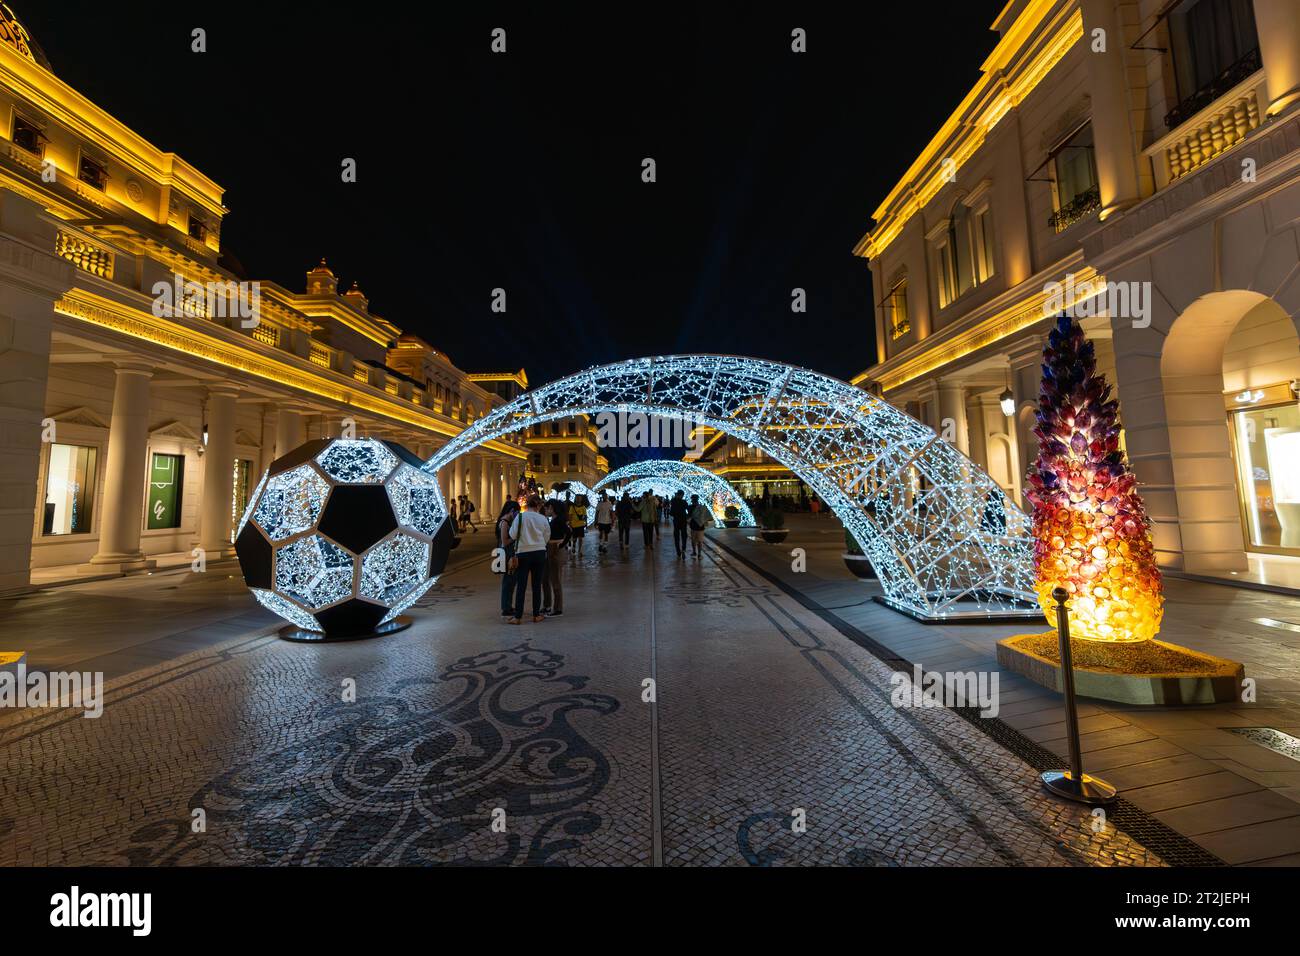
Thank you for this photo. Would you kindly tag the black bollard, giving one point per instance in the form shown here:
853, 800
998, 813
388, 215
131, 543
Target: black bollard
1073, 784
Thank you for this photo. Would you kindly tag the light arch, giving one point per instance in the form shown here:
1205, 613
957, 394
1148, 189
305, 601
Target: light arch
936, 528
692, 479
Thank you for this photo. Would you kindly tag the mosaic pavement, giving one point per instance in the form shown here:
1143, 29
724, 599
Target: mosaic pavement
771, 740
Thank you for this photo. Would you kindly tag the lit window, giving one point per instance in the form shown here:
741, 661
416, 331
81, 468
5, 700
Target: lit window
69, 489
1214, 46
899, 323
962, 252
93, 173
166, 485
1075, 192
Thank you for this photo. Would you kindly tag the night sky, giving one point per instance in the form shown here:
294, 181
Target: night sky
523, 171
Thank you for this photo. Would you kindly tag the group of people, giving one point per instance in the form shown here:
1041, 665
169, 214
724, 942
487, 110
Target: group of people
533, 536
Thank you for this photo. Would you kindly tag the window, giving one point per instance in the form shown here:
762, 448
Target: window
198, 228
573, 459
1075, 192
555, 428
537, 460
1213, 46
573, 427
92, 172
27, 136
166, 484
69, 489
555, 459
899, 323
962, 252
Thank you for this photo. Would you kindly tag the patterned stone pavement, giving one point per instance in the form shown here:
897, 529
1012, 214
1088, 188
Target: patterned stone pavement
771, 740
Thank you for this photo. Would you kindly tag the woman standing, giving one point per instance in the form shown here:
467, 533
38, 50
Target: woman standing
552, 589
504, 520
700, 518
604, 520
649, 518
529, 532
578, 524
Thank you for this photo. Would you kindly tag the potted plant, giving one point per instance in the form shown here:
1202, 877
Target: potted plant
731, 517
774, 529
857, 562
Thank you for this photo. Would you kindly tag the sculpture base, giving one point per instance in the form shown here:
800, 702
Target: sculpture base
300, 635
1090, 790
1148, 673
965, 612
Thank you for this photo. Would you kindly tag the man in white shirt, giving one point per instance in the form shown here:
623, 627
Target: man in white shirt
530, 531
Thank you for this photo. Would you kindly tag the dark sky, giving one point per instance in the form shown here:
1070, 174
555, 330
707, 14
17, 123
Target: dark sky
523, 171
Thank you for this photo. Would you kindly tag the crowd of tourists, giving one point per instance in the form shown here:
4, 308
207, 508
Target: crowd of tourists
534, 537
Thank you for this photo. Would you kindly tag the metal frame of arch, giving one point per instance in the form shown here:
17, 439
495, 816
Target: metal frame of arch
692, 479
578, 488
942, 536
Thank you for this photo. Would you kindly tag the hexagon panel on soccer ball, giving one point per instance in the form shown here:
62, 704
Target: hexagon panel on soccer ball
343, 535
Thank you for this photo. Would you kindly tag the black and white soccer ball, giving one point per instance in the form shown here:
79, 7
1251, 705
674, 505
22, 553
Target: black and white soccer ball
342, 535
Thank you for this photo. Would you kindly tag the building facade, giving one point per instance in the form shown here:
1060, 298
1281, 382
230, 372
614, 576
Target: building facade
1137, 164
566, 449
144, 385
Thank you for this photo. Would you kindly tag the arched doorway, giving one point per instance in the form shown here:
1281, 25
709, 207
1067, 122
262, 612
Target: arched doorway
1226, 367
940, 533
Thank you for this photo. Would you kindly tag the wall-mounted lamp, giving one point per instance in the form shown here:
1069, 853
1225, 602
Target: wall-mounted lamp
1008, 403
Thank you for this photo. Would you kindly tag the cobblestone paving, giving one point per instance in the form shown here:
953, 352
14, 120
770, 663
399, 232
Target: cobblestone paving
772, 741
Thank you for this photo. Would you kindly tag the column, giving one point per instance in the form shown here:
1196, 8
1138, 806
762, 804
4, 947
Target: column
504, 482
952, 415
218, 472
1026, 378
977, 432
473, 473
1112, 130
288, 430
485, 485
124, 474
1278, 24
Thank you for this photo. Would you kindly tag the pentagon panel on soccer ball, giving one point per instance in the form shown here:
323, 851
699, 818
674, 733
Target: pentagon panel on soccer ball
358, 516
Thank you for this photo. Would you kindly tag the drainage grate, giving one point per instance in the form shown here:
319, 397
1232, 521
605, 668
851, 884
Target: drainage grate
1274, 740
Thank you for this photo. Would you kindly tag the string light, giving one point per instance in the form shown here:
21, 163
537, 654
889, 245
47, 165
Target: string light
936, 528
692, 480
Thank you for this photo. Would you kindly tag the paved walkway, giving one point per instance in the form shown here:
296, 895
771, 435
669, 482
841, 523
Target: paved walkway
1184, 766
765, 736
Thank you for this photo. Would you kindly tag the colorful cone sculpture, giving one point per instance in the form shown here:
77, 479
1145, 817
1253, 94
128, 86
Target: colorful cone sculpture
1092, 534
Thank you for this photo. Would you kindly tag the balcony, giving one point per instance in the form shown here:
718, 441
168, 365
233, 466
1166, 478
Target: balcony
1077, 208
1219, 126
84, 253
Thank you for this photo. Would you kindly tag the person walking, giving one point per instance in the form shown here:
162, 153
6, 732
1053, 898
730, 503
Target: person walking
578, 525
700, 516
649, 517
624, 513
529, 531
469, 514
680, 514
552, 589
504, 520
604, 520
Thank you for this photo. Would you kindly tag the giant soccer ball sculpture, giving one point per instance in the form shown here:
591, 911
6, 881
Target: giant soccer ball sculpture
342, 536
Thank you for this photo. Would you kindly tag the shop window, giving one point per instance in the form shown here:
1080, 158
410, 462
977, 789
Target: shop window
1075, 191
93, 173
899, 322
69, 489
1213, 47
166, 489
1268, 475
243, 488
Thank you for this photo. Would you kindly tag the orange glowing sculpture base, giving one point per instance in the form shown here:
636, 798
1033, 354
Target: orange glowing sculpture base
1152, 673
